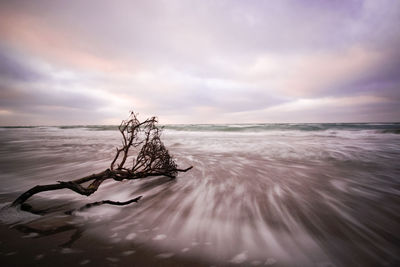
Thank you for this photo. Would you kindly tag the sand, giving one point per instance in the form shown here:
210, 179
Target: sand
30, 249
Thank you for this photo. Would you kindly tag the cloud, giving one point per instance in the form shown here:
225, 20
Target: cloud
324, 73
197, 61
14, 68
362, 108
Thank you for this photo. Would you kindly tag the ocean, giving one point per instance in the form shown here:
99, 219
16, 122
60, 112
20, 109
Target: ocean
258, 194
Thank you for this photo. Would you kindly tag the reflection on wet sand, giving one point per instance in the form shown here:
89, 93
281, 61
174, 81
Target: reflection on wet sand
52, 223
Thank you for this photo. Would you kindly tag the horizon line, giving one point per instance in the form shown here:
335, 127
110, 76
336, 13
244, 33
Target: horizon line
167, 124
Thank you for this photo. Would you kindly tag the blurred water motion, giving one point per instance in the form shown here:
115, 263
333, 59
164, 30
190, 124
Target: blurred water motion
281, 195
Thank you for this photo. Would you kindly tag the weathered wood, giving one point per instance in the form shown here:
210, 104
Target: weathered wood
72, 185
152, 159
109, 202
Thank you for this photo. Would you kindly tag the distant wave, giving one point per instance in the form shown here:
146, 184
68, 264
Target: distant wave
392, 131
92, 127
379, 127
390, 128
67, 127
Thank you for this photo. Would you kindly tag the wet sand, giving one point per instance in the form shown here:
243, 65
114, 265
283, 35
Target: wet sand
254, 198
30, 249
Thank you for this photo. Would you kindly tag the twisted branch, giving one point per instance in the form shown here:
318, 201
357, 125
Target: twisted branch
152, 159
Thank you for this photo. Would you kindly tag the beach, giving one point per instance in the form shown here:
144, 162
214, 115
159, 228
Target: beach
258, 195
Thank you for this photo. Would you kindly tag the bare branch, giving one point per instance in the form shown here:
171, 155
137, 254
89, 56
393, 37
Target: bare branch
110, 202
152, 159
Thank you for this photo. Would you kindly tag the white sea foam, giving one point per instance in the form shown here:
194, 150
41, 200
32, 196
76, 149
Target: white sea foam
165, 255
13, 215
130, 236
69, 251
84, 262
128, 252
239, 258
159, 237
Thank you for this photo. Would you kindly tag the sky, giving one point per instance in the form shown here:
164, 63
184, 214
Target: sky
92, 61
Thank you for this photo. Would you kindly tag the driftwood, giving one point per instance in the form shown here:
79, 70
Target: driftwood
110, 202
151, 159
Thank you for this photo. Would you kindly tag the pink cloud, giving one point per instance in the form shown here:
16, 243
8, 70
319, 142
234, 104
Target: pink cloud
33, 36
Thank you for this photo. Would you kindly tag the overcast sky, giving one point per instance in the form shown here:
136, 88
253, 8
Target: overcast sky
90, 62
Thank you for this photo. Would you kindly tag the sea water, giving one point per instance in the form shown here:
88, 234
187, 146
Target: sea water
258, 194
